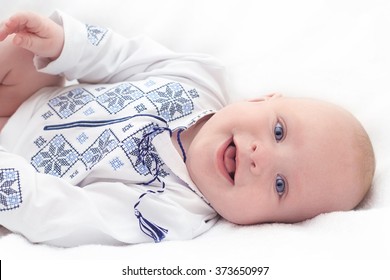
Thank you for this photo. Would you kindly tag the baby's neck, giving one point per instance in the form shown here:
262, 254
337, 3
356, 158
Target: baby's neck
187, 135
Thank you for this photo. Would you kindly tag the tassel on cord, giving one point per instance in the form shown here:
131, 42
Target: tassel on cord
152, 230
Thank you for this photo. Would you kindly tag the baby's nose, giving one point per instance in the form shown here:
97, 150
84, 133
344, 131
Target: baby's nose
260, 158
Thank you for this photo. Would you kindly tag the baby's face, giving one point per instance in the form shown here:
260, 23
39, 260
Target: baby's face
275, 160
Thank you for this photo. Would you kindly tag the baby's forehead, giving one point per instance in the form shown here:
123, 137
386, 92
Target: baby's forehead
314, 112
307, 103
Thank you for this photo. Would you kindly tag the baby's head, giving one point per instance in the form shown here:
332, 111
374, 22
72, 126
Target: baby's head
279, 159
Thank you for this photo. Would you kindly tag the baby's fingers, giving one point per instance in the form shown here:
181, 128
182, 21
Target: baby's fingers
35, 33
12, 25
24, 22
4, 31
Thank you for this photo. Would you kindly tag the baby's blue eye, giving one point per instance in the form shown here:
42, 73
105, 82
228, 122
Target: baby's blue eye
280, 185
278, 132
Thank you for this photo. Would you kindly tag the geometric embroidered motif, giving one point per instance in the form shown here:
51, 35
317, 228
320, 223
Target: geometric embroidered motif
193, 93
55, 158
70, 102
105, 143
58, 155
95, 34
142, 153
82, 138
116, 163
89, 111
40, 141
114, 100
140, 108
10, 192
172, 101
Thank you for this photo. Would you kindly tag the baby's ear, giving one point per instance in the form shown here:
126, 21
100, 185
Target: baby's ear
266, 97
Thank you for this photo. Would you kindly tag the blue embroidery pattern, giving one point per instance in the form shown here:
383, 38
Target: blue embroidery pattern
172, 101
95, 34
142, 154
193, 93
106, 142
82, 138
40, 141
10, 191
89, 111
70, 102
116, 163
56, 157
116, 99
141, 107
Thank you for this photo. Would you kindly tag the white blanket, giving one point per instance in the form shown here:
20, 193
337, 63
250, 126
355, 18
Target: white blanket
335, 50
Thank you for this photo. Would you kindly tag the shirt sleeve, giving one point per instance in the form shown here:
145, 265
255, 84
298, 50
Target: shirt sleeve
48, 209
94, 54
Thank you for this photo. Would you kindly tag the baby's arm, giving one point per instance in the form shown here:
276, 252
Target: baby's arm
93, 54
36, 33
46, 208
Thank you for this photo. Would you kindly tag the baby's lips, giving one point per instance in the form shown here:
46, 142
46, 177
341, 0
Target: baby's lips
230, 159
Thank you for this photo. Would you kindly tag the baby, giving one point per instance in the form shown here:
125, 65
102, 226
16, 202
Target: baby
145, 147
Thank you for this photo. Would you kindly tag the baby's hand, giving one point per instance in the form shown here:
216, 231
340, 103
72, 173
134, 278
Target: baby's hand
36, 33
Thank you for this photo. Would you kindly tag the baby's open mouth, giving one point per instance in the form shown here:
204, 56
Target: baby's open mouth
230, 159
